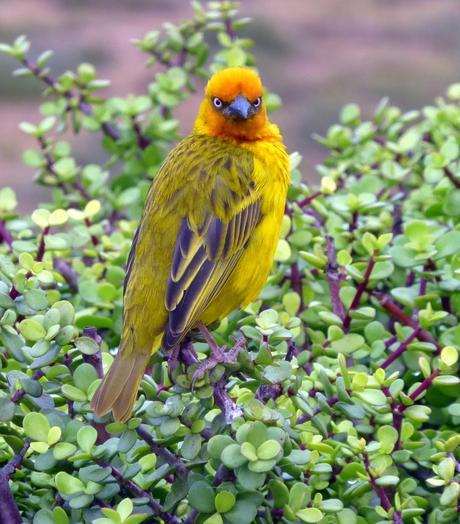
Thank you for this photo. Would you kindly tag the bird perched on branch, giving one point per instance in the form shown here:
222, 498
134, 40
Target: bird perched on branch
208, 233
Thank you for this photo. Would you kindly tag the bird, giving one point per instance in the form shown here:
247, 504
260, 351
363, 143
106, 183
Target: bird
208, 233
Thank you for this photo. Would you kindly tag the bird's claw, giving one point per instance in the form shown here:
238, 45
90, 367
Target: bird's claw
219, 355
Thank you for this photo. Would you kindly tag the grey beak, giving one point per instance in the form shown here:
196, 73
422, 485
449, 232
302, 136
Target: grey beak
239, 109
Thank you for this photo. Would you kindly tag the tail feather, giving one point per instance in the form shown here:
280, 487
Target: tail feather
118, 390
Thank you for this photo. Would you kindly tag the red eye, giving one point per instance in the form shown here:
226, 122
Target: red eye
217, 102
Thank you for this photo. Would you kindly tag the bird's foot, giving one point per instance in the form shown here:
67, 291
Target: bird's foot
219, 355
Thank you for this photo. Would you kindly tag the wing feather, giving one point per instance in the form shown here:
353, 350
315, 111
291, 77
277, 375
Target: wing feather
207, 270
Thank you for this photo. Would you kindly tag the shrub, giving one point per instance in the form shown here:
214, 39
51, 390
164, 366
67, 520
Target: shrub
343, 405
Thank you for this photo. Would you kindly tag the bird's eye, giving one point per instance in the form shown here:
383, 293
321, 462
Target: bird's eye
217, 102
257, 102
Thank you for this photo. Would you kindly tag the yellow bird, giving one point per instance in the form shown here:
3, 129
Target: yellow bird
208, 233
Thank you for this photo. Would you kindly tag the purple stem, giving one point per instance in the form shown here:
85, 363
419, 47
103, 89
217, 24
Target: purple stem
397, 220
225, 403
163, 452
398, 314
96, 359
333, 278
9, 513
85, 108
5, 235
397, 416
41, 245
306, 201
422, 387
19, 393
305, 417
359, 292
380, 492
400, 350
451, 177
142, 141
296, 281
65, 269
139, 492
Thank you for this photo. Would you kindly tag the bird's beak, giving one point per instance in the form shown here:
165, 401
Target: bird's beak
239, 109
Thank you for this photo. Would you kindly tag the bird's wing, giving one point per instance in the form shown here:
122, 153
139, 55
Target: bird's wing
203, 260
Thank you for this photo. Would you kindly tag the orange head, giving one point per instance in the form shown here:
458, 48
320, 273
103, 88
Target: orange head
233, 106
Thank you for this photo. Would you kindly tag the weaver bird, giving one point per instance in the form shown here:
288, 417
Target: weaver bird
207, 237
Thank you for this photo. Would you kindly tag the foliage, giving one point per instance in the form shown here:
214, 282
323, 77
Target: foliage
343, 405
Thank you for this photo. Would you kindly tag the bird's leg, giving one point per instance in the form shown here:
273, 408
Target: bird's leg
173, 359
218, 354
216, 351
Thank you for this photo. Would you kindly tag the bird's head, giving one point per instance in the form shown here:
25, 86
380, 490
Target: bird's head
233, 106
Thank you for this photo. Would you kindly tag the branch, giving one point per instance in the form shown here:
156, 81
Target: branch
451, 177
305, 417
5, 235
96, 359
19, 393
225, 403
69, 275
84, 107
359, 292
306, 201
400, 350
139, 492
422, 387
333, 279
380, 492
9, 513
398, 314
163, 452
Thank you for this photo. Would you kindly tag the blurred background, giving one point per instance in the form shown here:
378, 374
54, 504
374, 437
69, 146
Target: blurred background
317, 55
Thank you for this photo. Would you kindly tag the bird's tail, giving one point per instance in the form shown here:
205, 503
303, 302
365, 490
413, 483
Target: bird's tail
118, 390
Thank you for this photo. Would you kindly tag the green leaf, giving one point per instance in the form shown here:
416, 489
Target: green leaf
375, 397
268, 450
36, 426
278, 373
348, 344
31, 330
67, 484
86, 438
201, 497
310, 515
224, 501
387, 480
232, 457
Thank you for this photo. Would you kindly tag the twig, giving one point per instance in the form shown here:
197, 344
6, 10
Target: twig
5, 235
333, 279
9, 513
19, 393
162, 452
96, 359
69, 275
85, 108
139, 492
305, 417
359, 292
451, 177
422, 387
41, 244
400, 350
306, 201
225, 403
398, 314
380, 492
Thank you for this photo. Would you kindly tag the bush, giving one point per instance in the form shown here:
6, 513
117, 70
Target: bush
343, 406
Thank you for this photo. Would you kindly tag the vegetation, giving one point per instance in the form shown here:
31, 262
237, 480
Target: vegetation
343, 405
